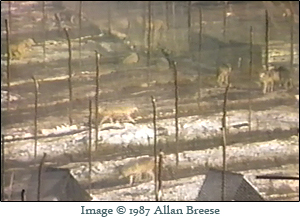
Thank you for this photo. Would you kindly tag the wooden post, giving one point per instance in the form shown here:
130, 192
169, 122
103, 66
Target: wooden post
144, 16
36, 92
224, 20
128, 32
40, 177
154, 147
174, 26
23, 197
292, 37
176, 110
149, 41
200, 30
11, 185
79, 33
224, 141
189, 22
2, 167
167, 15
9, 14
70, 77
172, 64
250, 76
109, 17
44, 32
8, 62
97, 99
160, 163
267, 41
199, 57
90, 145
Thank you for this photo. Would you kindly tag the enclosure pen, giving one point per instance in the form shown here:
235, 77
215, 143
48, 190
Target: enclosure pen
138, 100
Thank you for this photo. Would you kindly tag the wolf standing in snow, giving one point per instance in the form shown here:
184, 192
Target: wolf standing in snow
223, 74
18, 51
117, 113
268, 78
285, 77
136, 169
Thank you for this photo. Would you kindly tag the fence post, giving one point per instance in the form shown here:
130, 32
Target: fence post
36, 91
224, 141
40, 177
70, 77
154, 146
8, 62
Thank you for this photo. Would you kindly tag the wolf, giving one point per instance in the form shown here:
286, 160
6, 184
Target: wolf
268, 79
223, 74
18, 51
136, 169
116, 113
284, 77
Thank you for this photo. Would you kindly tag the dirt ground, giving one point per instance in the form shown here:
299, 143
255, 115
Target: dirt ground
200, 96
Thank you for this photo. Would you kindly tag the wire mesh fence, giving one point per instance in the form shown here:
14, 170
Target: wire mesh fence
209, 42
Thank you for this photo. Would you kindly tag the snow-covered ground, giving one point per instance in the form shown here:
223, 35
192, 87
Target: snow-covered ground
75, 139
237, 154
251, 156
187, 189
